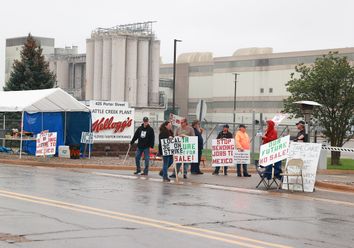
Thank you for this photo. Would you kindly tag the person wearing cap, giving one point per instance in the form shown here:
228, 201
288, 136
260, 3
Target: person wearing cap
224, 134
301, 135
242, 144
146, 139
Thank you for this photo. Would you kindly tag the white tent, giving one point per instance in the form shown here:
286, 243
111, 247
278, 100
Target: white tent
32, 101
48, 100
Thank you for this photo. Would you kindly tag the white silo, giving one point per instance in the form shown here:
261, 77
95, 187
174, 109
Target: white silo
90, 52
118, 69
143, 72
131, 71
155, 73
106, 68
62, 73
97, 76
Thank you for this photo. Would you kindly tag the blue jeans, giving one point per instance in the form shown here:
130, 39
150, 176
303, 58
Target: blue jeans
277, 170
138, 153
185, 167
167, 161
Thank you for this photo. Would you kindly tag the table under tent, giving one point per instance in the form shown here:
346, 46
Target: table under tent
48, 109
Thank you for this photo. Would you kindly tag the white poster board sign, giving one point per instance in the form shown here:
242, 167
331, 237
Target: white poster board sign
310, 154
242, 157
184, 149
111, 121
279, 118
46, 143
87, 137
64, 152
274, 151
222, 152
176, 120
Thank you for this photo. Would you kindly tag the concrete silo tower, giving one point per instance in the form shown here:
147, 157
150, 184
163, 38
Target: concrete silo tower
123, 65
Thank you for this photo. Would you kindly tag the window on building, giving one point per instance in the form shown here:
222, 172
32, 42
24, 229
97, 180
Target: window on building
262, 90
270, 90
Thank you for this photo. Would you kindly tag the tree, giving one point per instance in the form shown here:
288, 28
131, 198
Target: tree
330, 82
32, 71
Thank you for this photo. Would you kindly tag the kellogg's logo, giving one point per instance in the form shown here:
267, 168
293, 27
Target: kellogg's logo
107, 123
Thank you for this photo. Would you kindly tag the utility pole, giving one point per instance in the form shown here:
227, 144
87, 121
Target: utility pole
174, 75
236, 74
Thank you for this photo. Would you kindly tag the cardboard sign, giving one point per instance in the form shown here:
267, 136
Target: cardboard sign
274, 151
46, 143
310, 154
64, 152
176, 120
279, 118
111, 121
184, 149
242, 157
87, 137
223, 152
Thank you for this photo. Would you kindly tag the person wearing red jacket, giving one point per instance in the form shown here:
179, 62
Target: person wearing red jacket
270, 135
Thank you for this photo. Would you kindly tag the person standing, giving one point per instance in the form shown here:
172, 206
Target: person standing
195, 167
242, 144
224, 134
165, 133
146, 139
183, 131
301, 135
270, 135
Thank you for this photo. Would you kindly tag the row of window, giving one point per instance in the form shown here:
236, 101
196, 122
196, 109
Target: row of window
270, 90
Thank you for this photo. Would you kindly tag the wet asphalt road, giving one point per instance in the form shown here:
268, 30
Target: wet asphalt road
45, 207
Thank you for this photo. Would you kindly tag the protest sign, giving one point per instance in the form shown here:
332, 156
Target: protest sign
176, 120
274, 151
223, 152
111, 121
87, 137
242, 157
279, 118
310, 154
184, 149
46, 143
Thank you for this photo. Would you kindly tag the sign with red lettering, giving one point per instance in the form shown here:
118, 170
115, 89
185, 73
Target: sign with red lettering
222, 152
111, 121
176, 120
274, 151
46, 143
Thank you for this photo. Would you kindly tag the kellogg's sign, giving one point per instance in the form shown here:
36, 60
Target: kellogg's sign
111, 121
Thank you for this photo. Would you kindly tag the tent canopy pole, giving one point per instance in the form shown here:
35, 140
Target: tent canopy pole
21, 133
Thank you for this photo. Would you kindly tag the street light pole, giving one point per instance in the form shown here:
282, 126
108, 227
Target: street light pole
174, 75
236, 74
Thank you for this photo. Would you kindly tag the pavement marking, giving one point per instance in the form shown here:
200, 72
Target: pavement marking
165, 225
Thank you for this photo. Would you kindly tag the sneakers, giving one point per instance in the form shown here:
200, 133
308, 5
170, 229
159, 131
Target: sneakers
143, 174
166, 180
173, 176
239, 175
215, 173
137, 173
247, 175
199, 173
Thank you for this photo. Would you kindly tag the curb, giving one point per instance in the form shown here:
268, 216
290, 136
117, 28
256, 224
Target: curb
334, 186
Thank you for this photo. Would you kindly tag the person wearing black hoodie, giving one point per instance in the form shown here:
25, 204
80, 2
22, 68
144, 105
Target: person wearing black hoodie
146, 139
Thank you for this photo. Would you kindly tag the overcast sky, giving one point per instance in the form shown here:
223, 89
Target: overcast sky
218, 26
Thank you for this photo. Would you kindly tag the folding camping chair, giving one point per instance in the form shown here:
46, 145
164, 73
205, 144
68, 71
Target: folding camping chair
264, 175
293, 168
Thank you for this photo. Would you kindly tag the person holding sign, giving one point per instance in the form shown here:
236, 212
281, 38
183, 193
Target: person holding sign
165, 133
183, 131
224, 134
270, 135
242, 143
146, 138
195, 167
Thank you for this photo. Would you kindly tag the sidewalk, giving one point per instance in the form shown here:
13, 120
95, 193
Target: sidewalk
329, 179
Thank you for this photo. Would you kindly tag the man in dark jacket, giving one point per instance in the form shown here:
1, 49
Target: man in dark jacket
146, 139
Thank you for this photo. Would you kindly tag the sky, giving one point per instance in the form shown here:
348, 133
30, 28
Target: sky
217, 26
